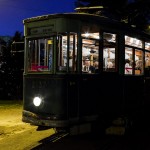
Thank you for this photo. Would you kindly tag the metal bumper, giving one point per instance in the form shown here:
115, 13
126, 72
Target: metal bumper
37, 120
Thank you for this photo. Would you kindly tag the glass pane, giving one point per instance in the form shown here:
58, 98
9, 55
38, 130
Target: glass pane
90, 52
73, 53
133, 41
40, 55
109, 50
147, 45
128, 60
62, 53
63, 56
147, 60
147, 63
138, 62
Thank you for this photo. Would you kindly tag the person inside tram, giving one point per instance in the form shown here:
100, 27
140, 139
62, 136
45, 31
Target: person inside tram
86, 65
109, 64
139, 64
92, 69
96, 64
128, 67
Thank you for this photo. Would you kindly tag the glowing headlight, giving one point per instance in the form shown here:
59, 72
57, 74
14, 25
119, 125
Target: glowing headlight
37, 101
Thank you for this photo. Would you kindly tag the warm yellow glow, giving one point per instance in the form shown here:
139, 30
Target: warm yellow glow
50, 42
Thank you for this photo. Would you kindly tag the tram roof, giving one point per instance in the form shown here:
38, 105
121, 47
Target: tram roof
65, 15
87, 17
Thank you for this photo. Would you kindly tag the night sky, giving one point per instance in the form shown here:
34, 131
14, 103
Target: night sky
12, 12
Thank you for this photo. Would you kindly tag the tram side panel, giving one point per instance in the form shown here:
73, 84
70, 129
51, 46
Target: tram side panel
133, 94
111, 96
88, 95
147, 98
147, 92
73, 98
101, 95
133, 101
82, 95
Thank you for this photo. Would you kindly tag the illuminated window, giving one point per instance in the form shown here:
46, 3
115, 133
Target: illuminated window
147, 45
133, 42
40, 55
90, 53
128, 61
147, 59
138, 62
109, 52
67, 52
133, 61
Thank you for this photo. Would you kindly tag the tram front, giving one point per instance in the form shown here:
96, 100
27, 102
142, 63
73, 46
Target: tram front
49, 57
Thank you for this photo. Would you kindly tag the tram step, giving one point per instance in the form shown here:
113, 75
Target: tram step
80, 129
115, 130
119, 121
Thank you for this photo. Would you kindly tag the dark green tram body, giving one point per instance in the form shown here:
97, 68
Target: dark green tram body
67, 100
73, 96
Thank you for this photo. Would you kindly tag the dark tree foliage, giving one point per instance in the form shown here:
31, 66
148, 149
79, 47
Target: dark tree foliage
106, 3
83, 3
11, 70
133, 12
18, 36
138, 13
3, 66
117, 7
17, 65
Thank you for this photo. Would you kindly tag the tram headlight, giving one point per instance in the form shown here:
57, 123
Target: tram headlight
37, 101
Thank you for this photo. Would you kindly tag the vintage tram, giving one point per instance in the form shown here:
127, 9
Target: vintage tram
82, 68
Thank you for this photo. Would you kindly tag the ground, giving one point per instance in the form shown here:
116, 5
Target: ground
15, 134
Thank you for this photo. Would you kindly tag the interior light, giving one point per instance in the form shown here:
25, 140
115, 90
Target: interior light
87, 34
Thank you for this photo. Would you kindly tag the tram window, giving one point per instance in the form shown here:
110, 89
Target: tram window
73, 53
90, 52
138, 62
147, 63
147, 45
62, 53
67, 59
133, 42
133, 64
128, 60
40, 54
147, 60
109, 51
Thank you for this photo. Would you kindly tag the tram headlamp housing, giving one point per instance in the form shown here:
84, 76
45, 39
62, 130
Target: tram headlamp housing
37, 101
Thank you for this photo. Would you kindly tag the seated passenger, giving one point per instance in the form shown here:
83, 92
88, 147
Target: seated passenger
139, 65
91, 69
86, 66
109, 64
128, 67
96, 65
94, 68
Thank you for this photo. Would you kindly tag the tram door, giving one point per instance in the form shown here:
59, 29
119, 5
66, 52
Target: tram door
67, 65
72, 79
90, 68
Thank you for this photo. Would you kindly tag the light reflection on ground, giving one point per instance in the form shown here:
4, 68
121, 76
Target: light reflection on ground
15, 134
